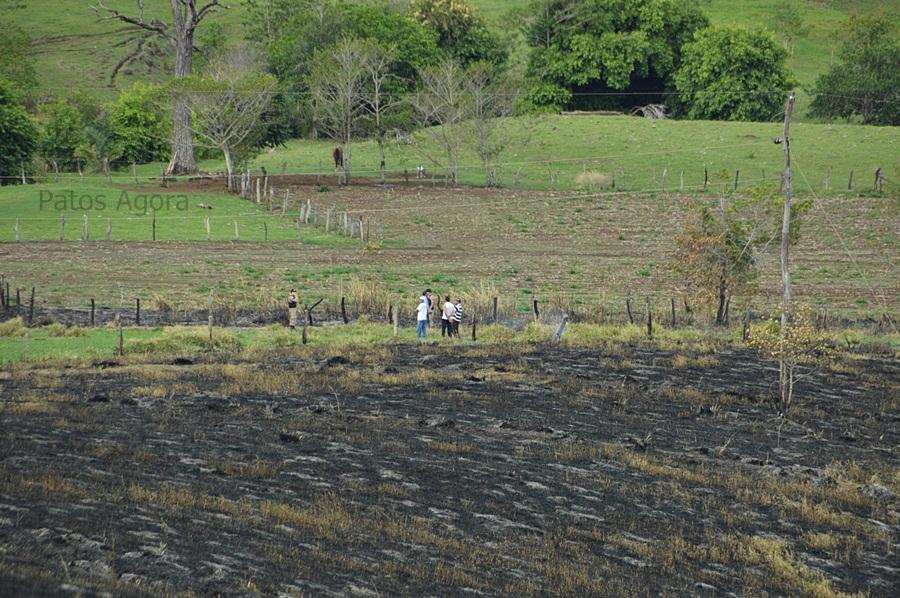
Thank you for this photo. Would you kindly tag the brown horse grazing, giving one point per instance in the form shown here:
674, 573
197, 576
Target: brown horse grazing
338, 155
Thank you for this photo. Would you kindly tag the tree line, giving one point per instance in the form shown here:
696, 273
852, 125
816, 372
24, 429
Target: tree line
381, 69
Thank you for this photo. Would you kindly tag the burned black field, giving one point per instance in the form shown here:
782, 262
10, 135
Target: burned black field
520, 469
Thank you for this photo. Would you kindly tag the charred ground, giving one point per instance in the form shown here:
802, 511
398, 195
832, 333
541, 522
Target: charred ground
625, 469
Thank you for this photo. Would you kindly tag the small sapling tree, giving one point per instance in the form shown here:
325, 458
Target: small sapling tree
227, 105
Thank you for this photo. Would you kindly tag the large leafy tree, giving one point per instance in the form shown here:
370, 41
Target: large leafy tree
186, 17
139, 125
18, 135
462, 31
290, 32
585, 52
866, 82
62, 135
733, 74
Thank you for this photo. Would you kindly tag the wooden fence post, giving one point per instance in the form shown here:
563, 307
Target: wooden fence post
673, 311
134, 171
284, 203
208, 230
628, 308
878, 185
31, 308
850, 182
85, 229
209, 328
535, 310
397, 321
237, 232
343, 310
649, 320
265, 231
17, 230
154, 225
62, 227
108, 228
18, 298
137, 311
474, 327
93, 309
681, 182
745, 332
494, 311
737, 177
705, 178
121, 348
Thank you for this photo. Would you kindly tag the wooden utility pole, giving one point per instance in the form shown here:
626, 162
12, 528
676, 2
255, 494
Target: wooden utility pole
785, 384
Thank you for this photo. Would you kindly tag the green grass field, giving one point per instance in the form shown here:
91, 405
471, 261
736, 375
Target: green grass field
43, 210
103, 342
643, 149
636, 155
75, 51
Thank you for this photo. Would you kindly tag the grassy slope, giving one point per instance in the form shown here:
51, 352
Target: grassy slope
39, 207
644, 149
73, 49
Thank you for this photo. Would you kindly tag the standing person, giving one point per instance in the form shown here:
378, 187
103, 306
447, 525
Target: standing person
422, 318
292, 308
446, 317
457, 316
426, 294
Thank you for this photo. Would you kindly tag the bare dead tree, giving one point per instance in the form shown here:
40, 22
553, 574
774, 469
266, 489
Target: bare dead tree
337, 85
186, 16
380, 104
442, 105
490, 99
227, 106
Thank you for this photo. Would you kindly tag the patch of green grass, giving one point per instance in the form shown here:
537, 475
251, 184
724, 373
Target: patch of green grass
46, 210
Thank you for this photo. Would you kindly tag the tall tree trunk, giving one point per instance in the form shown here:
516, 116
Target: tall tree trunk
347, 158
720, 313
229, 169
381, 157
183, 160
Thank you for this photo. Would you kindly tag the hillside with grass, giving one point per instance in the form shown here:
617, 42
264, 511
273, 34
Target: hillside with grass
72, 47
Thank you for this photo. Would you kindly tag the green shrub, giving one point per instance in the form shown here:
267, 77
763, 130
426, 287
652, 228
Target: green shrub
14, 327
181, 339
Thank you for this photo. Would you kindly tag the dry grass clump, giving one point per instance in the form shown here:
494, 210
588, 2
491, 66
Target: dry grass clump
842, 547
775, 556
480, 300
682, 361
327, 516
451, 447
368, 296
13, 327
57, 330
262, 470
181, 339
592, 179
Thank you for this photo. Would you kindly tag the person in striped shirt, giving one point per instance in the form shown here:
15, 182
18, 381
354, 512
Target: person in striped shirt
457, 317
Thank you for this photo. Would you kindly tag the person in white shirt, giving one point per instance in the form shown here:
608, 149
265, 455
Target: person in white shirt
447, 315
422, 318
